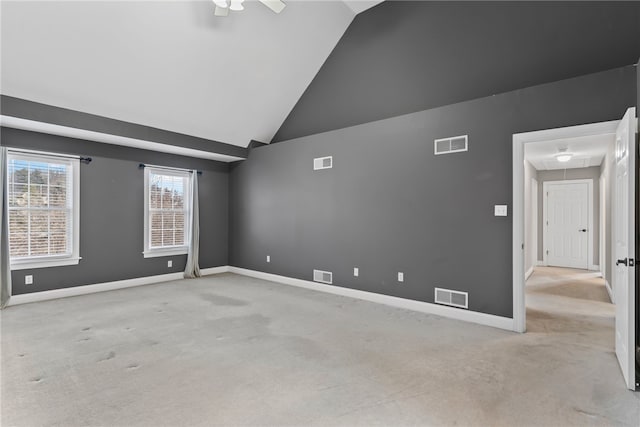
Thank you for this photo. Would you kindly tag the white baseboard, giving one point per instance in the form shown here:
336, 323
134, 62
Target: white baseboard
594, 267
423, 307
103, 287
528, 273
609, 291
541, 263
214, 270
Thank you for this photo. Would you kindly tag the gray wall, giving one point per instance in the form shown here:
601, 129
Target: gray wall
405, 56
592, 173
112, 213
390, 205
529, 239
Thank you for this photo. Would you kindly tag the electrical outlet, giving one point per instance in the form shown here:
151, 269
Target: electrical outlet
268, 258
356, 271
170, 263
400, 276
28, 280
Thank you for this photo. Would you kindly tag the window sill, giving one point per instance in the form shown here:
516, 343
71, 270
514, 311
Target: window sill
31, 264
155, 253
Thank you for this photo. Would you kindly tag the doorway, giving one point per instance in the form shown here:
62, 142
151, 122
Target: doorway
624, 314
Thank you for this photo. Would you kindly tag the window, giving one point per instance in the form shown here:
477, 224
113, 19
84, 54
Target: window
167, 212
44, 210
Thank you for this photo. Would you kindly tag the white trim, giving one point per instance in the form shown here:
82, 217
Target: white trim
30, 263
91, 289
548, 135
43, 153
156, 253
533, 257
519, 140
107, 286
73, 187
35, 126
607, 285
540, 263
423, 307
214, 270
528, 273
407, 304
590, 197
594, 267
148, 251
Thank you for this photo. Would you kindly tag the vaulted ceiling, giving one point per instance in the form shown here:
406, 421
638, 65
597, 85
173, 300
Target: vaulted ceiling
256, 75
170, 64
406, 56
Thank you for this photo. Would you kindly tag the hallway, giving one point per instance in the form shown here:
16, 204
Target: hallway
569, 301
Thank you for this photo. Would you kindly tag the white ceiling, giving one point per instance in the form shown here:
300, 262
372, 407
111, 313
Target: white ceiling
587, 151
359, 6
171, 65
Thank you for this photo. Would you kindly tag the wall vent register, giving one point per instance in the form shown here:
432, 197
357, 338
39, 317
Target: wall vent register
453, 298
322, 163
455, 144
323, 276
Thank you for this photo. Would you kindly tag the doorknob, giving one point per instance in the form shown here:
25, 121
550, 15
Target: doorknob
583, 230
621, 261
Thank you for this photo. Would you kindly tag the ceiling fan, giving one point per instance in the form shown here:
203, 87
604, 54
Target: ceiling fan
224, 6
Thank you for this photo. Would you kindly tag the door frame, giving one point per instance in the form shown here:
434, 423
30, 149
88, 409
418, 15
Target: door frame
534, 222
590, 212
518, 142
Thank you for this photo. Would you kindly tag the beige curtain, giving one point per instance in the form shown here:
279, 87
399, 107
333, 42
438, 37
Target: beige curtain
5, 270
193, 269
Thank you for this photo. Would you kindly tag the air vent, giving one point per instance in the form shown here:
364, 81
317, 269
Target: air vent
454, 144
454, 298
323, 276
323, 163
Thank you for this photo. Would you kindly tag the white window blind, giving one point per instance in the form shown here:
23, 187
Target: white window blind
42, 191
166, 211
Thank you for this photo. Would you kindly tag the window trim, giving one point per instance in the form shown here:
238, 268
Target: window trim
148, 251
35, 262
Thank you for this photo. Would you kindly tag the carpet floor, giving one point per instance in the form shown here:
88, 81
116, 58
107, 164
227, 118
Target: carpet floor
232, 350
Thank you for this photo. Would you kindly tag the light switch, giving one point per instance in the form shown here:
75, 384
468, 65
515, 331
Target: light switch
28, 279
356, 271
500, 210
400, 277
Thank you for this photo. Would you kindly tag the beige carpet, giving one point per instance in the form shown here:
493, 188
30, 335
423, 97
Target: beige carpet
229, 350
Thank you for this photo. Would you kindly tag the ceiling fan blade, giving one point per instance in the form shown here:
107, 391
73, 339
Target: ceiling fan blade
221, 11
275, 5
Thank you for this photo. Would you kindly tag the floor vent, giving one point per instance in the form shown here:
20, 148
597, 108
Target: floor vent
322, 163
323, 276
454, 298
454, 144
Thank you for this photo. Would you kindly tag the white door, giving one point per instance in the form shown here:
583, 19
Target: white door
624, 251
567, 224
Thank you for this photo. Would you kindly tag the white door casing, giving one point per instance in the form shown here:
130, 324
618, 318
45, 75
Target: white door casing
534, 222
568, 223
623, 225
517, 158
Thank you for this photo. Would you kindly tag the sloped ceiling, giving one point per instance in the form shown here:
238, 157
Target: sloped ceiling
170, 65
359, 6
405, 56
